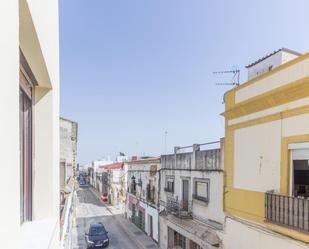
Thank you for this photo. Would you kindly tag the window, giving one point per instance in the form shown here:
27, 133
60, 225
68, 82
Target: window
150, 191
25, 119
97, 230
169, 185
201, 190
133, 185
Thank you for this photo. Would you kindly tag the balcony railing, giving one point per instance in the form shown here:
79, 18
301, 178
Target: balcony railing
292, 212
178, 208
168, 190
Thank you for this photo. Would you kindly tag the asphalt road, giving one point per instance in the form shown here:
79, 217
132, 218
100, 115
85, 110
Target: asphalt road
90, 210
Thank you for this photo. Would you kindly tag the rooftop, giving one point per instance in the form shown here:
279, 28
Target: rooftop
146, 160
271, 54
112, 166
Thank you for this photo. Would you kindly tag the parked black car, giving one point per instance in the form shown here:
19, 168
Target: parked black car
83, 181
97, 237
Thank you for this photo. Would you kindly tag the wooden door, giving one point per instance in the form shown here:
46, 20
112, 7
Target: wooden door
150, 226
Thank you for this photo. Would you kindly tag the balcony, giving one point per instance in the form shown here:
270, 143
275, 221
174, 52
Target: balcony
168, 190
182, 209
287, 211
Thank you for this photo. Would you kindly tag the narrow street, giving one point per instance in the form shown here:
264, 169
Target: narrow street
90, 210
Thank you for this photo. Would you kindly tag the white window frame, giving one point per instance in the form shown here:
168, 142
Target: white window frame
200, 198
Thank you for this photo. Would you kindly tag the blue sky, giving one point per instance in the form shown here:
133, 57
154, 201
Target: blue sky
133, 69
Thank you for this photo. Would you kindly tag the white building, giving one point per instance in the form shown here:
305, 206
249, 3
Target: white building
96, 170
68, 170
266, 158
191, 198
110, 183
29, 129
68, 151
143, 195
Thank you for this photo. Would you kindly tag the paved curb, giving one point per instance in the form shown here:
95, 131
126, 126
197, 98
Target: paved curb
132, 237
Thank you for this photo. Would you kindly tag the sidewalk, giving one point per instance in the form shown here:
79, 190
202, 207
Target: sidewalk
135, 234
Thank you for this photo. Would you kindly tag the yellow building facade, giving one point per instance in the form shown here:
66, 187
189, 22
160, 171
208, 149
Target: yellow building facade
266, 159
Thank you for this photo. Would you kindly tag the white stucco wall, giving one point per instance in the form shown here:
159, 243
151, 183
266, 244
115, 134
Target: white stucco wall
17, 29
66, 143
163, 230
257, 157
213, 210
243, 236
297, 125
263, 66
280, 78
258, 169
286, 57
155, 220
9, 127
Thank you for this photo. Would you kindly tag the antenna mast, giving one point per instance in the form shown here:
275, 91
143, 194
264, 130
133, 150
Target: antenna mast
235, 79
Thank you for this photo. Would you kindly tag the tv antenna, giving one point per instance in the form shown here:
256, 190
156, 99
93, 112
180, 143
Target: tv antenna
234, 80
165, 142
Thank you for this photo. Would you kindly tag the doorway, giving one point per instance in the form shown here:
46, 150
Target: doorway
150, 226
299, 170
300, 178
185, 195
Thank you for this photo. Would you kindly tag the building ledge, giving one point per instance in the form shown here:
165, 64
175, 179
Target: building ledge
38, 234
200, 233
297, 235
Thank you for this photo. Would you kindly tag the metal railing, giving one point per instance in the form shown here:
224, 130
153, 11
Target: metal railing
67, 226
288, 211
179, 208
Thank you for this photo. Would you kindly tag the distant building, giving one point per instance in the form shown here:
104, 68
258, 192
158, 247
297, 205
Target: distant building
68, 151
95, 170
266, 156
191, 197
143, 195
68, 167
109, 181
121, 158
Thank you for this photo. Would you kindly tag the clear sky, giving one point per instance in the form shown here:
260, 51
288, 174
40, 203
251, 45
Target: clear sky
133, 69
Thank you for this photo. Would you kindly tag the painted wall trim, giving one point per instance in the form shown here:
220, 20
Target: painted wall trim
289, 232
272, 117
290, 92
272, 72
